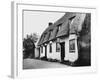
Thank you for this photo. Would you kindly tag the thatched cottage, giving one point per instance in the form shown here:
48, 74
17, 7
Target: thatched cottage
67, 39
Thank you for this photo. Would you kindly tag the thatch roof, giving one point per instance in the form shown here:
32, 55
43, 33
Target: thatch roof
66, 27
46, 37
54, 33
76, 24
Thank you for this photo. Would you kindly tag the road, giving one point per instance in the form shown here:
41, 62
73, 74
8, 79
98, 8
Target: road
37, 64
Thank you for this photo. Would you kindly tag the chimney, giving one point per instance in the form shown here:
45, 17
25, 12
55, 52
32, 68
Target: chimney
50, 23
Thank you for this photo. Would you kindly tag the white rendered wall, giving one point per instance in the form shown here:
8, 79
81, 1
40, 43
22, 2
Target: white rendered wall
36, 52
54, 54
57, 55
42, 54
66, 49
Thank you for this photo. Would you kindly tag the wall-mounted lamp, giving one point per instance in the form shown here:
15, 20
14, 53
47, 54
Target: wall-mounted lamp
58, 40
50, 41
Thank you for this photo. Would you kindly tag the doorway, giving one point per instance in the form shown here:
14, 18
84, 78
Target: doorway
46, 52
62, 51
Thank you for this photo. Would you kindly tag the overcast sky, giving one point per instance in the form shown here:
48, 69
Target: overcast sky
37, 22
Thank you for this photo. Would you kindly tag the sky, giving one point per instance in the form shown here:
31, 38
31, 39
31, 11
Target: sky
37, 21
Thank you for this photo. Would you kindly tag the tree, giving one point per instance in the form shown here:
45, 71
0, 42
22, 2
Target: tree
34, 37
29, 45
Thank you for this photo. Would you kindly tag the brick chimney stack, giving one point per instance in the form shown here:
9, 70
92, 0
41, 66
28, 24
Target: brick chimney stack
50, 23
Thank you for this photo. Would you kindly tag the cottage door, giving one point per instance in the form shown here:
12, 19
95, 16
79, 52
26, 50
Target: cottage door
46, 52
62, 51
39, 52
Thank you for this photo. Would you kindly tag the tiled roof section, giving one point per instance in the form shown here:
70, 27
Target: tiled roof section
76, 23
88, 21
39, 41
86, 29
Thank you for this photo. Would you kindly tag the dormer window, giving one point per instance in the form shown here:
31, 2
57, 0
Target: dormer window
71, 19
44, 36
50, 32
59, 27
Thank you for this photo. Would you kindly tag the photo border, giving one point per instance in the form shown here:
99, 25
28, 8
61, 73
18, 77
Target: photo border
17, 60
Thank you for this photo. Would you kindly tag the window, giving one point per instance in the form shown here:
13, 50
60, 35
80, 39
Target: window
50, 45
59, 27
41, 49
44, 35
72, 45
57, 47
49, 35
71, 18
51, 32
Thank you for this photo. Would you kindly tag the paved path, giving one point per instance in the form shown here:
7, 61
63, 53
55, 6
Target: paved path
36, 64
